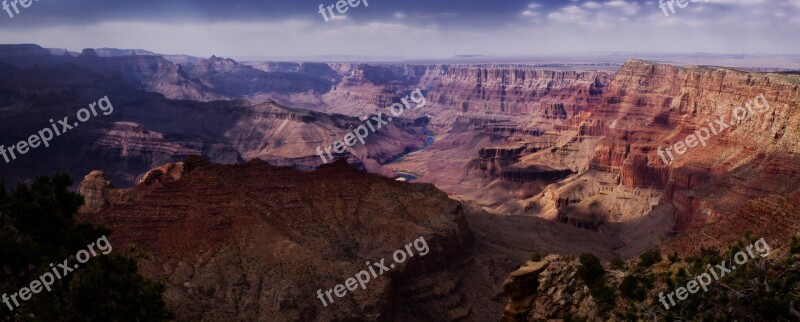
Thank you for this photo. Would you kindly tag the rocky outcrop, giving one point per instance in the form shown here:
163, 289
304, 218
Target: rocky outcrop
609, 153
163, 174
517, 287
22, 50
320, 70
95, 188
494, 159
254, 241
547, 290
88, 52
99, 193
378, 75
639, 171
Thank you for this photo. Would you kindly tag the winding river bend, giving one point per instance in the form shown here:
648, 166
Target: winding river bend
409, 176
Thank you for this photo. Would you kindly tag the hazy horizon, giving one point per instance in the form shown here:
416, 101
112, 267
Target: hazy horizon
606, 61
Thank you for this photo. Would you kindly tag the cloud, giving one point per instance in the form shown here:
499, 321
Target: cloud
592, 5
569, 14
597, 14
628, 8
409, 28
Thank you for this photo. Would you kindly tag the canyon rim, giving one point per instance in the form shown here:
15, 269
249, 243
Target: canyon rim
404, 161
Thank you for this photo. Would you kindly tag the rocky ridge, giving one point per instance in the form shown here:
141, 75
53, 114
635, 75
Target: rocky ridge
254, 241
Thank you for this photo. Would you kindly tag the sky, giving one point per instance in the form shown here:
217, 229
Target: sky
408, 28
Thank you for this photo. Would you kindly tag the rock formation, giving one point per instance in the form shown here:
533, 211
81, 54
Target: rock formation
546, 290
146, 130
573, 146
254, 241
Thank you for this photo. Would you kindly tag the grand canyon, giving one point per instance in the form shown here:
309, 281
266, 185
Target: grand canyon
210, 167
545, 186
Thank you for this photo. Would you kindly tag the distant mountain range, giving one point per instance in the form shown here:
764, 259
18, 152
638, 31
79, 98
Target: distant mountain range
115, 52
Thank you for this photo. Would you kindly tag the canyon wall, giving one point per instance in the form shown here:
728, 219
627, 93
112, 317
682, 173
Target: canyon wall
608, 133
459, 90
146, 129
517, 139
649, 105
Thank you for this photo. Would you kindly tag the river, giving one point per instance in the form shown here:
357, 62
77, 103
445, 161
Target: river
410, 176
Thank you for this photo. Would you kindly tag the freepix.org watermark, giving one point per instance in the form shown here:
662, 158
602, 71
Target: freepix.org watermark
48, 279
664, 4
362, 132
704, 280
758, 104
46, 134
14, 3
363, 277
342, 6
